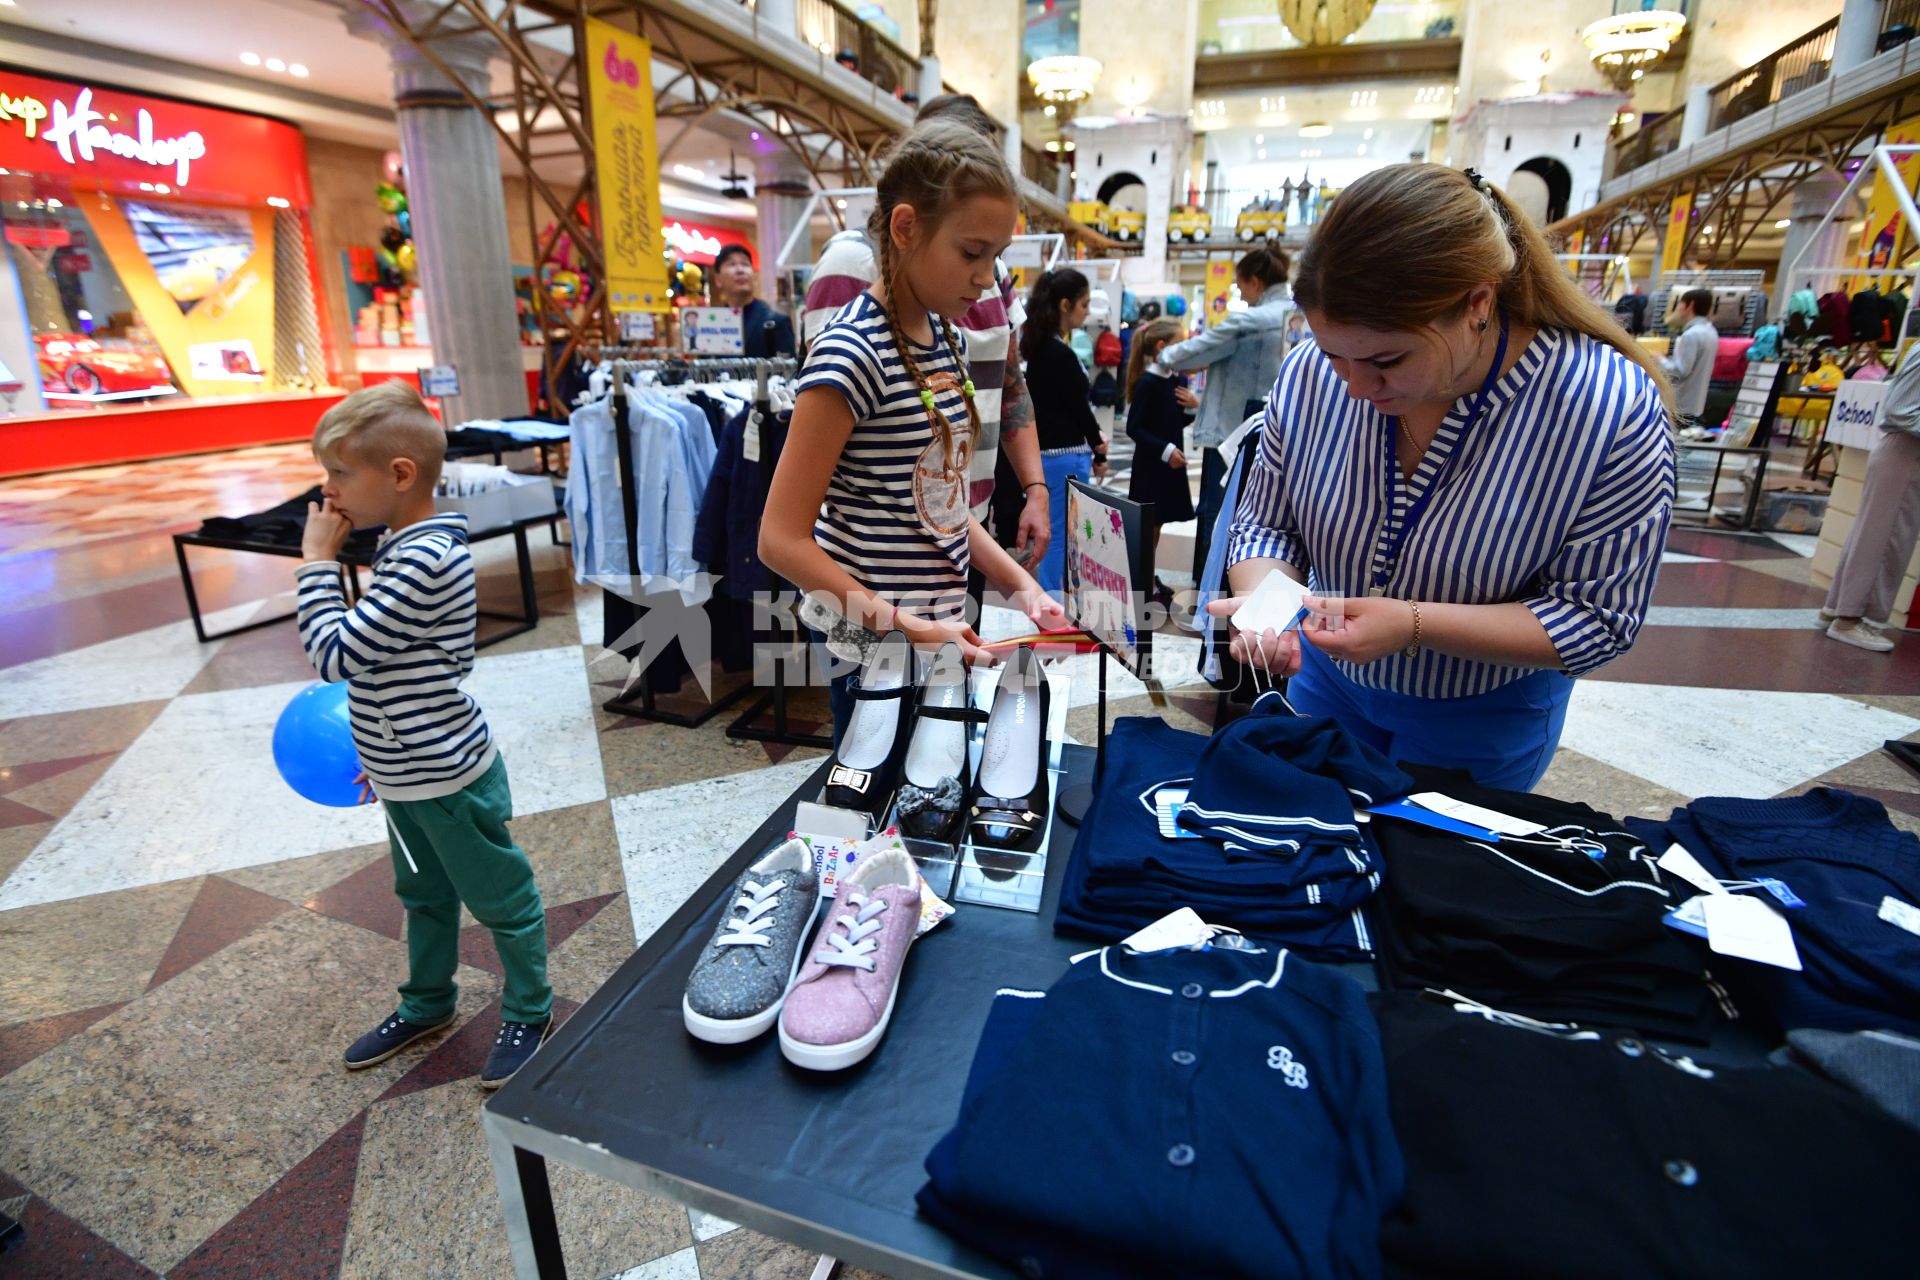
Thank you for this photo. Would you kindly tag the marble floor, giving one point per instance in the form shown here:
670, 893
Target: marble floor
185, 946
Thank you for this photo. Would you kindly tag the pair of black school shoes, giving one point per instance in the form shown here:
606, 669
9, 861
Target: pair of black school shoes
917, 746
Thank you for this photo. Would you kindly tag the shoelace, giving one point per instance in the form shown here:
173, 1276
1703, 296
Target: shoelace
754, 907
856, 946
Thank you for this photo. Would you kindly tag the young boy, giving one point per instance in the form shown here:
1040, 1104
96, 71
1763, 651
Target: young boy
423, 744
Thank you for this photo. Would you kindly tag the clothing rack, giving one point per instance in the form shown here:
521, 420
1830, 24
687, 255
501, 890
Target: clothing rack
630, 360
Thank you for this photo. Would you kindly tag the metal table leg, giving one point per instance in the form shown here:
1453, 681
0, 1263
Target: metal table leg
526, 1200
193, 602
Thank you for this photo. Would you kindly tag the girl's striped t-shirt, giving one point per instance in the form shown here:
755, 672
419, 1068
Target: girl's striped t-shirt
895, 516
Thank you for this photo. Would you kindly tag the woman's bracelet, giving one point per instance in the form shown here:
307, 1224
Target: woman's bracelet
1413, 649
1036, 484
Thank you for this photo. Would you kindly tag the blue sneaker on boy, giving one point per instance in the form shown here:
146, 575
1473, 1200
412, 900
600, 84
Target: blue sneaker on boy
516, 1043
389, 1038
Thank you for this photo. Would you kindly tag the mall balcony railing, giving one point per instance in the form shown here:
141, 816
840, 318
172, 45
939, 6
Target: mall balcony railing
1660, 138
1790, 69
860, 48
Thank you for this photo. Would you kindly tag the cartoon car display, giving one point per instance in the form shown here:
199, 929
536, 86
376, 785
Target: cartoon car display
1092, 214
83, 367
1188, 222
1258, 222
1128, 225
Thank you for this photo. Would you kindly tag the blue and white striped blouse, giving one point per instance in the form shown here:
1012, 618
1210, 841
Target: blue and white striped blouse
1559, 500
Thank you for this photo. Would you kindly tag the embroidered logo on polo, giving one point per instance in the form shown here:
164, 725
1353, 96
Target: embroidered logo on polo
1281, 1059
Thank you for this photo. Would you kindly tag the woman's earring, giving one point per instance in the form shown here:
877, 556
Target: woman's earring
1483, 326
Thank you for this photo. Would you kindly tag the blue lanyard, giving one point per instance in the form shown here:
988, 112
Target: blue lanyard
1419, 508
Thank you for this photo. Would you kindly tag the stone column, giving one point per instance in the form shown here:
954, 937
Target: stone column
781, 15
780, 192
1854, 39
1811, 200
1693, 124
459, 219
929, 87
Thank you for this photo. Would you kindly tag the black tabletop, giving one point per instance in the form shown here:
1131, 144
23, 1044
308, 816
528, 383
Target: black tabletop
827, 1161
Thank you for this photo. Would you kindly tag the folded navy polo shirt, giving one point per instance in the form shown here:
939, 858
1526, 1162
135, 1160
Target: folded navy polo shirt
1288, 783
1124, 874
1216, 1113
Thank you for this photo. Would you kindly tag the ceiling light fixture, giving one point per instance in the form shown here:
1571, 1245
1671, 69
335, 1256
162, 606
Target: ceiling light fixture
276, 64
1065, 78
251, 59
1315, 130
298, 70
280, 202
1259, 138
1783, 224
1368, 135
1625, 46
1263, 153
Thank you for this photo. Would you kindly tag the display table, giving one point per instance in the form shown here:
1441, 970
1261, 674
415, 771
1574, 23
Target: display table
828, 1162
524, 621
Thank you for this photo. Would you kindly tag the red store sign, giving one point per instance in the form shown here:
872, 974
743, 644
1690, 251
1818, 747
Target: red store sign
107, 138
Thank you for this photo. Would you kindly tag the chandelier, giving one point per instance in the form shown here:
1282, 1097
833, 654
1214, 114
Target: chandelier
1065, 78
1626, 46
1324, 21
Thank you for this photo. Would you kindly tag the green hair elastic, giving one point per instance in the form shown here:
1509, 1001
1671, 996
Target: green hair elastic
967, 386
926, 398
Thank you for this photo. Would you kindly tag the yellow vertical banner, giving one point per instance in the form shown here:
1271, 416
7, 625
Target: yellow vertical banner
1219, 289
1576, 243
626, 167
1887, 240
1676, 232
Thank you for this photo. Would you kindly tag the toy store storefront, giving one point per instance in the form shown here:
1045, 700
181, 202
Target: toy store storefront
157, 294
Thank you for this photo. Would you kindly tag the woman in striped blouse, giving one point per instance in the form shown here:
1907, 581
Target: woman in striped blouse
1476, 457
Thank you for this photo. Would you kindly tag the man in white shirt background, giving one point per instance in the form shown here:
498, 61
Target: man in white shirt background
1690, 362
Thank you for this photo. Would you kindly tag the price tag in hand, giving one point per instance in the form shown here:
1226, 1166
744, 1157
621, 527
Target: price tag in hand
1274, 605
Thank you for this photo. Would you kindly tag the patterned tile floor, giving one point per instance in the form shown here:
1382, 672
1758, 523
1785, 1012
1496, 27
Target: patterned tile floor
185, 946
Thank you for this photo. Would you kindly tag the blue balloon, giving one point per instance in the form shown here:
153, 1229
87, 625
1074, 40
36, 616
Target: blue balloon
1176, 305
313, 746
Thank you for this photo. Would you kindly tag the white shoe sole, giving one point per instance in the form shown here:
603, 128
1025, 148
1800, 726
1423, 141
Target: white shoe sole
741, 1030
838, 1057
1878, 644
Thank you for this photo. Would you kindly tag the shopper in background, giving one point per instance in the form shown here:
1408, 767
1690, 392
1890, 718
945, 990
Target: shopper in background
1159, 407
1690, 362
868, 510
988, 329
1241, 355
1476, 457
425, 748
1071, 446
764, 331
1867, 578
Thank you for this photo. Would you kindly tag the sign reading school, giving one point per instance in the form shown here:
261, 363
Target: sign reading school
626, 167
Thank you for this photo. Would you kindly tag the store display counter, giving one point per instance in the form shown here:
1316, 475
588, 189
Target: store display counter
115, 434
830, 1163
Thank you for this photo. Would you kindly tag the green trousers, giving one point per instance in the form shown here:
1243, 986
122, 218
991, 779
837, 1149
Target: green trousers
464, 854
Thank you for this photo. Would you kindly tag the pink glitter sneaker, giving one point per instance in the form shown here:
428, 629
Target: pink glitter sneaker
839, 1006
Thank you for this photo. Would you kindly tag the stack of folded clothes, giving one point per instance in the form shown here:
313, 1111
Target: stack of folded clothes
1850, 880
1264, 840
1534, 1150
1567, 924
1227, 1118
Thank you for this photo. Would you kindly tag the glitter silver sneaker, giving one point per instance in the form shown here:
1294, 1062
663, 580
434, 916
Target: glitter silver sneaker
740, 981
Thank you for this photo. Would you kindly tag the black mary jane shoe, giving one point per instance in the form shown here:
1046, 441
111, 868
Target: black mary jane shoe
1008, 809
867, 764
937, 772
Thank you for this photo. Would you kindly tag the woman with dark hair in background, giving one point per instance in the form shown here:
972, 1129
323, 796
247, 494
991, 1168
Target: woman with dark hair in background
1476, 456
1070, 441
1241, 355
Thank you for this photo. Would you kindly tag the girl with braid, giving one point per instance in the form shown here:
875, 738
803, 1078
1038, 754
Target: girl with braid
868, 512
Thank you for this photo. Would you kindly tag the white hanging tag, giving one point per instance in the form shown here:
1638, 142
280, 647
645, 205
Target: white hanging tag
1750, 929
1181, 928
1677, 861
1461, 811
